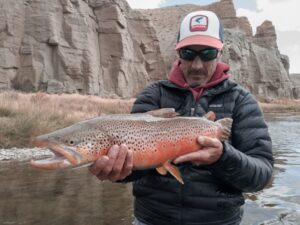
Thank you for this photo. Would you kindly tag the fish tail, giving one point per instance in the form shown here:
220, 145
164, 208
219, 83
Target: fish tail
226, 125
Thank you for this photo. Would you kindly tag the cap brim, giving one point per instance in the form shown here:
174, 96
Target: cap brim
200, 40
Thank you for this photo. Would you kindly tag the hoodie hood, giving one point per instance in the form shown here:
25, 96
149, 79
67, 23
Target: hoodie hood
176, 76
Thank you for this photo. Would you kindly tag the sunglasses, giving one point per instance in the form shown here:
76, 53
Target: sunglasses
204, 54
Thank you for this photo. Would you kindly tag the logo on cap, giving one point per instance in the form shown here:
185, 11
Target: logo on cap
199, 23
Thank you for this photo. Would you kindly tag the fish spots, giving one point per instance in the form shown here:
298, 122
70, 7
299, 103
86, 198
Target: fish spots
152, 140
148, 138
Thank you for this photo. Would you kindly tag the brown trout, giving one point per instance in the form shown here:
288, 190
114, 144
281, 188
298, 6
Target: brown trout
155, 141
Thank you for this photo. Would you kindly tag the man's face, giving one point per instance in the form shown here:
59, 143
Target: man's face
198, 71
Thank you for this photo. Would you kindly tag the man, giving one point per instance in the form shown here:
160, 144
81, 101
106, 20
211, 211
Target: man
215, 176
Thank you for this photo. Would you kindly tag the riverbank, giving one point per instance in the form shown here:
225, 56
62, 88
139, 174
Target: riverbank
23, 154
23, 116
281, 106
26, 115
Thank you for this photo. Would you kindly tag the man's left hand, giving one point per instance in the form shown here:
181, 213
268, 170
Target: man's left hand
210, 151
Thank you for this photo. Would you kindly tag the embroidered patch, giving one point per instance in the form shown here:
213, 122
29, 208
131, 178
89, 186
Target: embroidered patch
198, 23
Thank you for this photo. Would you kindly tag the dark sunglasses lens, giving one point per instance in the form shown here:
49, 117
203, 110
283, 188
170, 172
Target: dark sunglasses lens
208, 54
187, 54
205, 54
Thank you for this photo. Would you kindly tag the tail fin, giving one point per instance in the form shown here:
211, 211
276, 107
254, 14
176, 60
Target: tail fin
226, 124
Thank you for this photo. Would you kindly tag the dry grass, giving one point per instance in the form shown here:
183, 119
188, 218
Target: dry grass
23, 116
281, 106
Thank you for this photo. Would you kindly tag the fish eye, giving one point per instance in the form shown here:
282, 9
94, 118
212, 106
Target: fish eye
71, 142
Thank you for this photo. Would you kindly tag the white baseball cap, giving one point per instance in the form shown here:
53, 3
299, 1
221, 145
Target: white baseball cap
201, 28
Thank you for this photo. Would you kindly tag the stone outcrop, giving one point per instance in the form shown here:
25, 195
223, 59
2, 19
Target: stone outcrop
103, 47
255, 61
296, 81
99, 47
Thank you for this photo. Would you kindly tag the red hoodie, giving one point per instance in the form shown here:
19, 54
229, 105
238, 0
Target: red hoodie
176, 77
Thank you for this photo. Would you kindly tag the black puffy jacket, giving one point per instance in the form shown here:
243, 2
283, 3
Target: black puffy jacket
211, 195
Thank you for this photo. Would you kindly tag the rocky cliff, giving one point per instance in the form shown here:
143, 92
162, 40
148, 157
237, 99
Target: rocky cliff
255, 61
99, 47
296, 81
103, 47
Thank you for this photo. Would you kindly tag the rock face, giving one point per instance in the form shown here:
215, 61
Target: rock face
296, 81
99, 47
255, 61
105, 48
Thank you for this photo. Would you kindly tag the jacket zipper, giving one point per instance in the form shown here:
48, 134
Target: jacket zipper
193, 111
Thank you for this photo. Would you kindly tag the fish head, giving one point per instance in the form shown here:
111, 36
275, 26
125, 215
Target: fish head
72, 146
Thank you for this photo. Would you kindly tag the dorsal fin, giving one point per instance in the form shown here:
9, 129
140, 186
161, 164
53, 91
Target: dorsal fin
164, 113
210, 116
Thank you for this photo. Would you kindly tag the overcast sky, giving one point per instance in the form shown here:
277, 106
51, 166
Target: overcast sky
284, 15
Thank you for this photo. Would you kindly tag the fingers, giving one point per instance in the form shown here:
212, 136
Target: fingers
209, 142
115, 166
98, 165
112, 155
211, 150
119, 165
128, 166
196, 157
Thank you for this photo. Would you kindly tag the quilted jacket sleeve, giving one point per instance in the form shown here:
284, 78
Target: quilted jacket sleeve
247, 162
147, 100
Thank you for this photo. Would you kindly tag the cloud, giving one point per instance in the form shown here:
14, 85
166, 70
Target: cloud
284, 14
250, 4
181, 2
285, 17
290, 45
150, 4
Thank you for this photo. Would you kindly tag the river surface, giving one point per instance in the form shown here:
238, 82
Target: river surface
74, 197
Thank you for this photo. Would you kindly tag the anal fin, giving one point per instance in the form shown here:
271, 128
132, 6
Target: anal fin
173, 170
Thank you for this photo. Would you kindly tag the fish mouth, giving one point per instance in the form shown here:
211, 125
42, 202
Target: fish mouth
64, 156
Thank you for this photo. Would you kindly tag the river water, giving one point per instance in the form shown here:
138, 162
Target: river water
74, 197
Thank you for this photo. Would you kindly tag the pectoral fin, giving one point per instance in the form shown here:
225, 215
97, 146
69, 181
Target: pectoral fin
172, 170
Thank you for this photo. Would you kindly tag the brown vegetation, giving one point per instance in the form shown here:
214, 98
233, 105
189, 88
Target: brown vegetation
23, 116
281, 106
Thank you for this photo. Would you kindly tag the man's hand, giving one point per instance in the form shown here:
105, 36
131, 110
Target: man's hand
114, 166
210, 151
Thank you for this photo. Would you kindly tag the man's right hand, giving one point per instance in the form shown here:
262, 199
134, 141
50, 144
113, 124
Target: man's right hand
114, 166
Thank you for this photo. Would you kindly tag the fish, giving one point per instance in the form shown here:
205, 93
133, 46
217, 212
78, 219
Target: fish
156, 138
